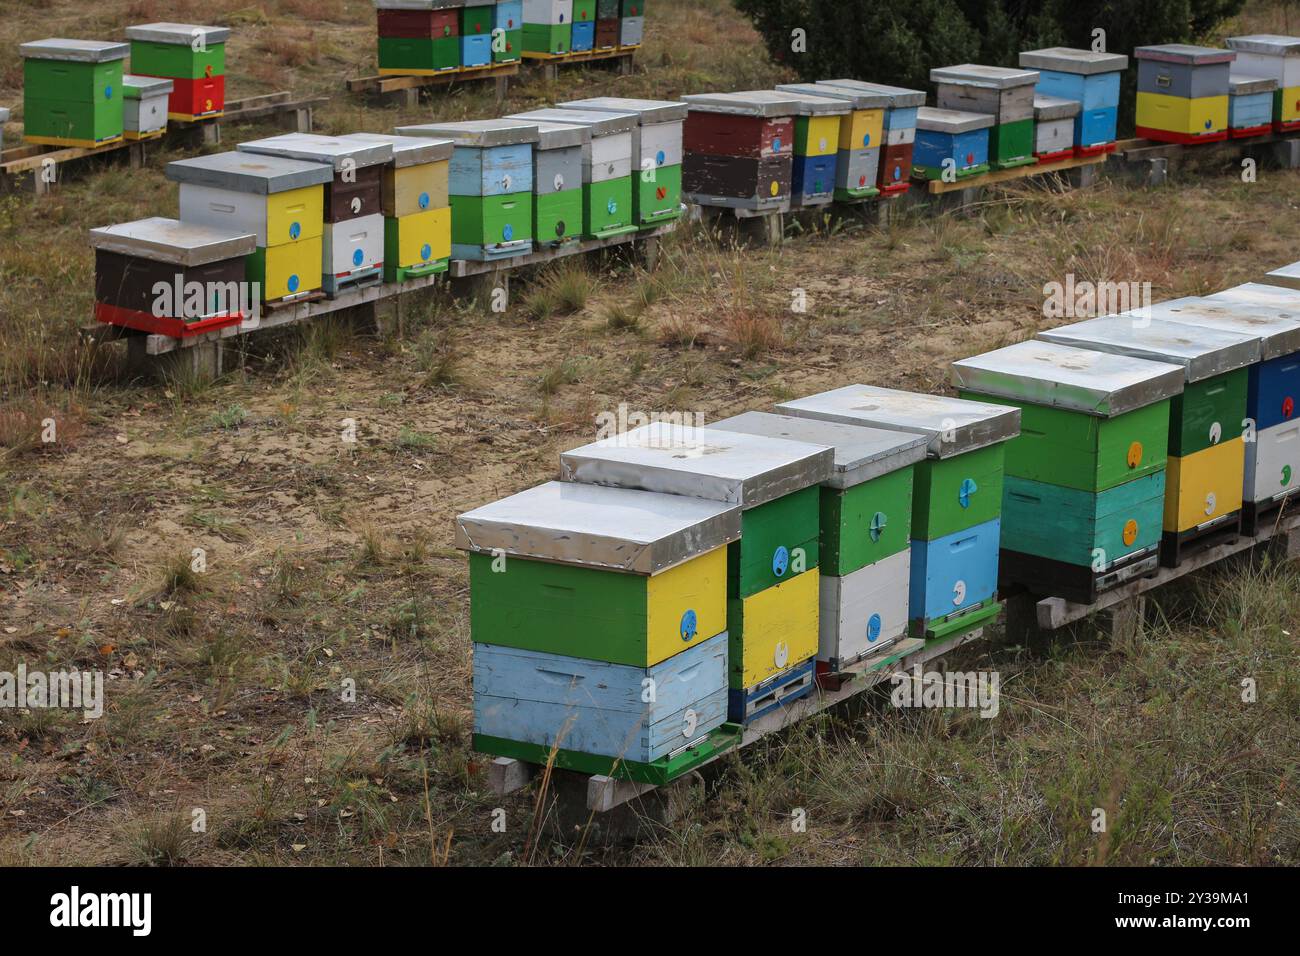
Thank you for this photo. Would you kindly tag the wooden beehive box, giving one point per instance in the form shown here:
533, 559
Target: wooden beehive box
1182, 93
1005, 93
1250, 105
72, 92
583, 36
418, 37
558, 199
817, 123
894, 131
738, 150
508, 31
1083, 505
953, 140
280, 201
548, 27
956, 500
144, 112
1278, 58
192, 56
1093, 80
1054, 122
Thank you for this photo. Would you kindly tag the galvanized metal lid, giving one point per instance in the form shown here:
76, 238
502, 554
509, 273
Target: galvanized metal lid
338, 151
172, 241
601, 123
480, 134
1203, 352
409, 150
1062, 376
1277, 328
1242, 85
1055, 107
818, 104
650, 111
249, 172
1264, 294
987, 77
876, 95
75, 51
951, 121
1286, 276
134, 87
1268, 44
417, 4
747, 103
703, 463
952, 426
562, 135
860, 453
180, 34
1064, 59
1184, 53
621, 529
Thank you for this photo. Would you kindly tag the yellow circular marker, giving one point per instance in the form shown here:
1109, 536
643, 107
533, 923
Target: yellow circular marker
776, 187
1130, 531
1135, 454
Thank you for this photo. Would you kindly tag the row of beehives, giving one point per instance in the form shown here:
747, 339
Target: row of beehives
424, 37
302, 214
680, 582
78, 93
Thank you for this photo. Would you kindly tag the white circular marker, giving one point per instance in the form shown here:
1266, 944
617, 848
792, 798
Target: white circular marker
959, 592
782, 654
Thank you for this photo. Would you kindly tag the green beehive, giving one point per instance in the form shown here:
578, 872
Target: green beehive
177, 50
73, 92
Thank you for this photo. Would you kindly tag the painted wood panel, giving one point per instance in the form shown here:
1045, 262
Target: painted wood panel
1273, 391
356, 245
1203, 116
771, 537
1273, 462
494, 171
954, 572
863, 611
951, 494
415, 189
275, 220
866, 523
774, 629
1208, 412
1204, 485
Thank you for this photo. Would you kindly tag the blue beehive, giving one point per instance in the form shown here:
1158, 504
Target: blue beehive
954, 138
1090, 78
1250, 105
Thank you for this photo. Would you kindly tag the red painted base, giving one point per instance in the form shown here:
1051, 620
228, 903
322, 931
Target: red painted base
173, 328
1186, 139
1293, 126
1095, 150
1247, 131
1055, 157
894, 189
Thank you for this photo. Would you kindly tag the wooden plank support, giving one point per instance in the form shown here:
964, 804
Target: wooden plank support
506, 775
936, 187
550, 63
464, 268
605, 793
407, 86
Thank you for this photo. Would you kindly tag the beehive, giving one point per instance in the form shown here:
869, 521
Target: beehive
1090, 78
4, 118
598, 618
739, 150
857, 165
1182, 93
817, 122
956, 497
1250, 105
557, 181
607, 206
895, 134
656, 152
144, 112
863, 552
1006, 94
951, 140
476, 19
1206, 423
414, 198
418, 37
491, 185
1278, 58
280, 201
72, 92
548, 27
193, 57
772, 578
583, 36
1054, 119
631, 30
171, 278
608, 24
1272, 465
353, 239
507, 31
1084, 493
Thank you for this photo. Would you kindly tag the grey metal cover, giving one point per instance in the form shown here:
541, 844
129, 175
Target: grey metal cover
860, 453
747, 103
249, 172
562, 135
894, 97
600, 123
1184, 53
180, 34
480, 134
1055, 107
702, 463
1203, 352
1064, 59
409, 150
134, 86
417, 4
1277, 328
620, 529
338, 151
1261, 293
650, 111
951, 121
817, 104
1286, 276
1062, 376
75, 51
988, 77
1244, 85
1268, 44
952, 426
172, 241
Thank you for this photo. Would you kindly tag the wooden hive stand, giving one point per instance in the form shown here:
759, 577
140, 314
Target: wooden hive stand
405, 89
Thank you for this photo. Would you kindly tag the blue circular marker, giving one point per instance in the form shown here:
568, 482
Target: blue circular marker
877, 526
358, 257
424, 200
611, 207
689, 626
866, 139
780, 561
776, 144
426, 251
873, 627
898, 173
507, 232
1209, 124
968, 488
660, 157
293, 283
108, 92
295, 230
